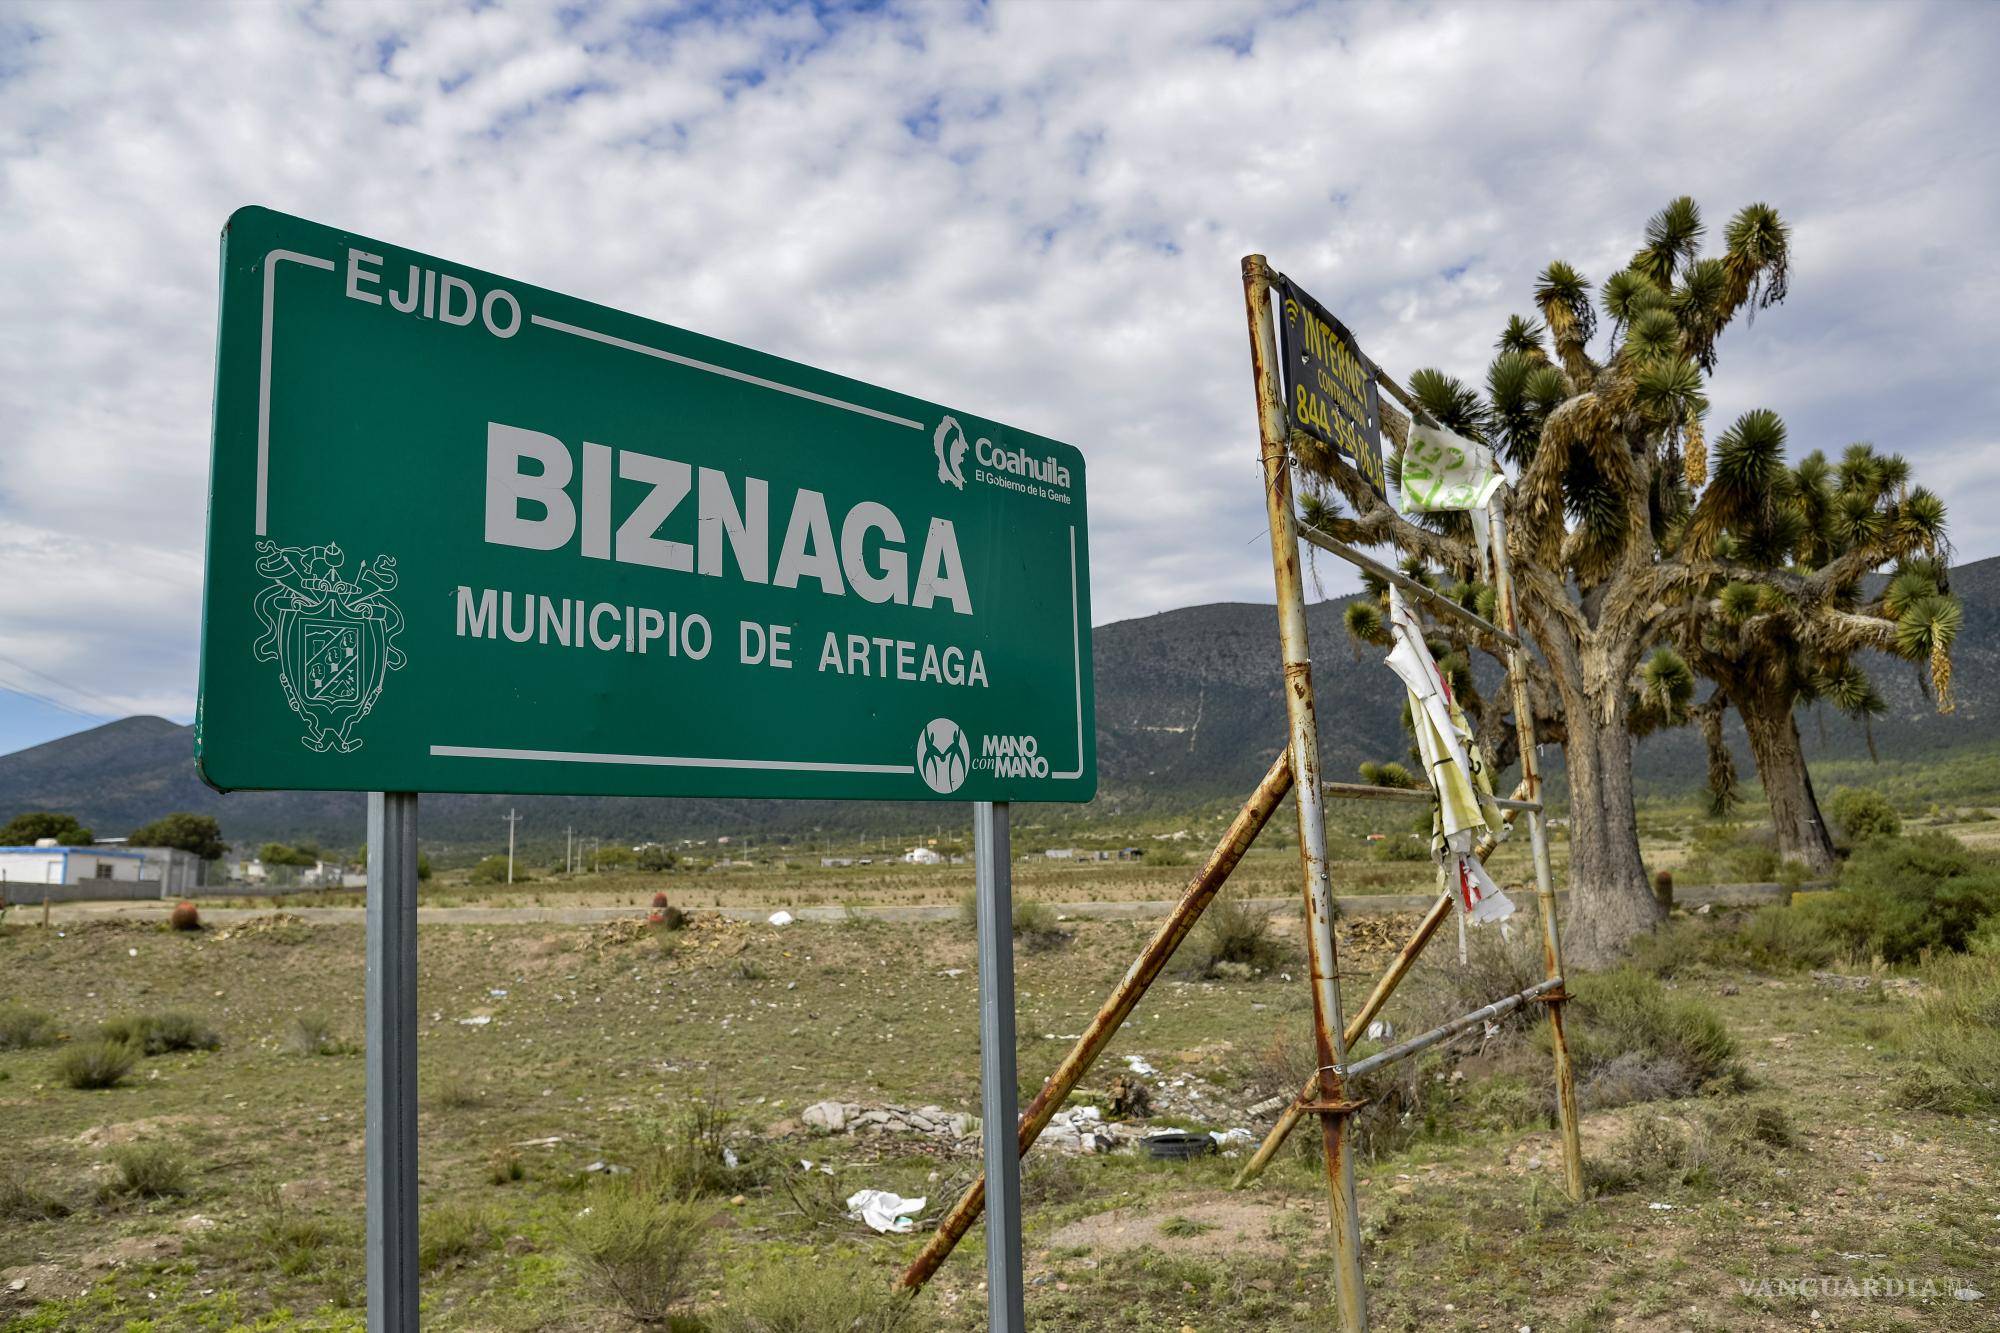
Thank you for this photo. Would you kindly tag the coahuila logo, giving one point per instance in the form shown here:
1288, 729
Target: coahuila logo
942, 756
949, 443
1012, 757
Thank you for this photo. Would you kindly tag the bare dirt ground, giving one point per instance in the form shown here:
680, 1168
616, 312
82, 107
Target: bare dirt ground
554, 1045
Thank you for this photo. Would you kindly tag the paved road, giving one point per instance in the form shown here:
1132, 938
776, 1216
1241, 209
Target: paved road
1148, 910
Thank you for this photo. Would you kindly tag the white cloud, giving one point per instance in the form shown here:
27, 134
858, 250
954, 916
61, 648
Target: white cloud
1035, 211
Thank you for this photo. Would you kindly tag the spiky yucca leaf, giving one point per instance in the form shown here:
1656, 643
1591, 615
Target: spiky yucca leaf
1907, 587
1920, 519
1318, 509
1548, 388
1625, 294
1654, 334
1926, 630
1673, 239
1515, 419
1365, 622
1669, 388
1390, 774
1486, 601
1564, 298
1751, 453
1739, 601
1450, 401
1700, 309
1758, 255
1666, 683
1523, 335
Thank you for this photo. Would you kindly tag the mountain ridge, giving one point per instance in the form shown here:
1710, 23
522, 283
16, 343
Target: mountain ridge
1189, 714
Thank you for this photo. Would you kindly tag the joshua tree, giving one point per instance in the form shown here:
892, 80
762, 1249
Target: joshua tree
1782, 625
1599, 507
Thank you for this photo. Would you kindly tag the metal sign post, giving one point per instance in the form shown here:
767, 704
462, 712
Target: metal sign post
391, 1124
999, 1094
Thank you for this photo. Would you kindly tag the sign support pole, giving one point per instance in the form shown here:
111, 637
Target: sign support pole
999, 1092
1332, 1103
392, 1062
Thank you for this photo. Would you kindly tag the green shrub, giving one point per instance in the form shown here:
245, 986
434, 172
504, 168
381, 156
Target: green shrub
313, 1034
1902, 897
1706, 1152
1953, 1037
151, 1170
1862, 815
1634, 1040
636, 1253
681, 1157
451, 1234
1786, 939
1729, 854
157, 1034
828, 1295
505, 1167
1035, 924
96, 1064
22, 1028
1233, 932
493, 870
24, 1199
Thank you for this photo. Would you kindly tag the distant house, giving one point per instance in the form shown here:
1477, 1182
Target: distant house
831, 861
922, 856
1061, 853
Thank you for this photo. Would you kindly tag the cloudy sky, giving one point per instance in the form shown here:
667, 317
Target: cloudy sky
1032, 210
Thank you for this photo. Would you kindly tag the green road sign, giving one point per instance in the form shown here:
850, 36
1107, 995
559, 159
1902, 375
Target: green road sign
468, 535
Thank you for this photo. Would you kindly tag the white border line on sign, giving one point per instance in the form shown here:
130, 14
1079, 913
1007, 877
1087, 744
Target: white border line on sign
661, 760
724, 371
274, 258
271, 262
1075, 661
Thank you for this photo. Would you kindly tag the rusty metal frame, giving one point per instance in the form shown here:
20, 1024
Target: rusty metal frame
1296, 770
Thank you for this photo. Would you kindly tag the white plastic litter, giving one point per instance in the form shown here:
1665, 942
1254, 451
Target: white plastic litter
1138, 1066
781, 918
476, 1021
884, 1211
1381, 1030
1232, 1138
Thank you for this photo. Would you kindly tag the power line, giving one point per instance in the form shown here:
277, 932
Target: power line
71, 686
56, 704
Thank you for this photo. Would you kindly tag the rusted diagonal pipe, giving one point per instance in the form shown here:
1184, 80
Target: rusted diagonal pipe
1384, 988
1243, 830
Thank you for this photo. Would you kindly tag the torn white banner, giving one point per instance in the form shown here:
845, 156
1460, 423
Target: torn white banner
884, 1211
1442, 470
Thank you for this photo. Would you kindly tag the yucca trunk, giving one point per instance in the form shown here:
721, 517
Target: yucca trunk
1611, 899
1796, 821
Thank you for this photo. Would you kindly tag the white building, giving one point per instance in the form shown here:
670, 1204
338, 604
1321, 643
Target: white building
922, 856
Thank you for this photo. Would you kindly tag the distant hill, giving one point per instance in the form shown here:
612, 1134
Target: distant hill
1189, 714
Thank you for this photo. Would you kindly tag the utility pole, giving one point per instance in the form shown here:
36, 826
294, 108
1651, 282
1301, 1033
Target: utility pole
569, 852
512, 819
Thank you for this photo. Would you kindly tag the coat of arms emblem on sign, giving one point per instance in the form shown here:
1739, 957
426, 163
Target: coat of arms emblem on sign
334, 641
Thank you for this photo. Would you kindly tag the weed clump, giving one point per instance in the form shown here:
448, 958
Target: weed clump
1954, 1038
1232, 936
451, 1234
824, 1295
1708, 1152
96, 1064
682, 1157
23, 1198
150, 1170
505, 1167
1863, 814
313, 1034
1035, 925
22, 1028
1903, 897
1632, 1037
157, 1034
637, 1253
